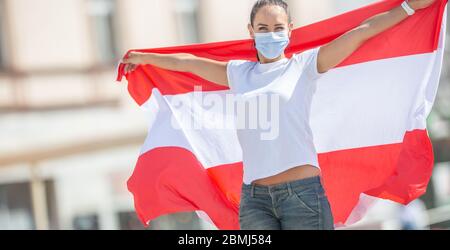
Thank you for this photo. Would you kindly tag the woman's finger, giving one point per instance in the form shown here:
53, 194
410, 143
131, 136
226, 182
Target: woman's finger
125, 60
129, 67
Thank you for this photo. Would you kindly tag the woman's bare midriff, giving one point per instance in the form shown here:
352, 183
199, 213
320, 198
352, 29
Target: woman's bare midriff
293, 174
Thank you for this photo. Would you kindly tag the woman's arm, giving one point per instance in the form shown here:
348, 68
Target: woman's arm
334, 53
211, 70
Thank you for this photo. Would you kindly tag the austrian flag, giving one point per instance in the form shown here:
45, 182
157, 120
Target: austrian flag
368, 118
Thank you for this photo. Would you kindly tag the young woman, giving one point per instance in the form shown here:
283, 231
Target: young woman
282, 186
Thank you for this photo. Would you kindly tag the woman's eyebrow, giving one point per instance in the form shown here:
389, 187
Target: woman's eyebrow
265, 25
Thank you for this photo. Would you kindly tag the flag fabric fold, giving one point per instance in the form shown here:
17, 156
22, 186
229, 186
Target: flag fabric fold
368, 119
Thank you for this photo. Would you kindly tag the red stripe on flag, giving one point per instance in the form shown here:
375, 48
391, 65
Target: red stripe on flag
387, 45
169, 180
399, 172
410, 178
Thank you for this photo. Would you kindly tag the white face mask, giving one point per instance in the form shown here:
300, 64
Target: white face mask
271, 44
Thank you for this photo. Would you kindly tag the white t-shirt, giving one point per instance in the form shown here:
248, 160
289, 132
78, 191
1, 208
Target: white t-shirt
291, 81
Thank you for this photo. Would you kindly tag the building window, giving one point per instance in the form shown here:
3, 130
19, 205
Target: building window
101, 14
16, 208
86, 222
2, 35
187, 21
128, 220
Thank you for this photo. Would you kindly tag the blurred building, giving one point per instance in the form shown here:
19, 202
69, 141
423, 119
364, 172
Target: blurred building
70, 135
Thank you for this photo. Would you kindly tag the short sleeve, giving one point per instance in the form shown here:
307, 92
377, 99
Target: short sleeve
308, 61
235, 71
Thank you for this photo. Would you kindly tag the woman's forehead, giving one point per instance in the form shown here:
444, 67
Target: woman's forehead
271, 14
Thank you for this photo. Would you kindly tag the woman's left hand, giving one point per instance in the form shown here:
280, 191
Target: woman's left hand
420, 4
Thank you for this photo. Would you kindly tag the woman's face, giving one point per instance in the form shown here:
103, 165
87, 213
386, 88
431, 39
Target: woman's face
270, 18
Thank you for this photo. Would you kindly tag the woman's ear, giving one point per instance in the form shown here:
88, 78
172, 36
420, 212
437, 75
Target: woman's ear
251, 31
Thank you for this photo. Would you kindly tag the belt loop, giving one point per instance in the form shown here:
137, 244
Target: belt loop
252, 192
289, 188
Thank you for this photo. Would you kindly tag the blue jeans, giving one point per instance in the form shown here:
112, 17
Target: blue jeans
297, 205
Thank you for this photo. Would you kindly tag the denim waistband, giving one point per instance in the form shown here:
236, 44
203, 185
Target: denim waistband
282, 187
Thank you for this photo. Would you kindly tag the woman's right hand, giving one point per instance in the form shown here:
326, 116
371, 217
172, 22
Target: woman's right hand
133, 60
211, 70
